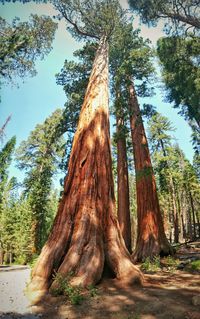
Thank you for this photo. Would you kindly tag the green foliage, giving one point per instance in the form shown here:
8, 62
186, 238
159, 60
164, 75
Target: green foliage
170, 263
63, 287
93, 291
93, 18
177, 179
179, 14
179, 57
130, 57
150, 265
40, 156
22, 43
7, 196
5, 158
194, 266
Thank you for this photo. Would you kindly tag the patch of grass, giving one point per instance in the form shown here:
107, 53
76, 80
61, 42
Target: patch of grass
170, 263
151, 265
193, 266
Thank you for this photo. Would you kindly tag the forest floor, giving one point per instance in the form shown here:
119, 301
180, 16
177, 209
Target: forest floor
170, 291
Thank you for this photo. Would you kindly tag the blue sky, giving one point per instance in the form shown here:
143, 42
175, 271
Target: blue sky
37, 97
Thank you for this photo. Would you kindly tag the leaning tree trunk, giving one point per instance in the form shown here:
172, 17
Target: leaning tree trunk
85, 233
123, 207
151, 239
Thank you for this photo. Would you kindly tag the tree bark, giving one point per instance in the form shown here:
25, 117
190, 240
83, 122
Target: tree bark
123, 207
175, 213
85, 234
193, 214
151, 239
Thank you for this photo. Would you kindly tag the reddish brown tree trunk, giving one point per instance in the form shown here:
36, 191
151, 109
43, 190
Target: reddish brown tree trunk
86, 234
123, 209
151, 239
193, 215
175, 213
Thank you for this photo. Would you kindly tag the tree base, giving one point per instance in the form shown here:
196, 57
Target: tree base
150, 249
89, 264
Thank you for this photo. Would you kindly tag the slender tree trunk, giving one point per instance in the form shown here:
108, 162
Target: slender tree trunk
151, 239
175, 213
189, 221
193, 215
198, 223
123, 210
85, 233
172, 194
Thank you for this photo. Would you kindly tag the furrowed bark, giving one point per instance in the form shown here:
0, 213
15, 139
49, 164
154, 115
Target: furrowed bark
123, 207
151, 239
86, 234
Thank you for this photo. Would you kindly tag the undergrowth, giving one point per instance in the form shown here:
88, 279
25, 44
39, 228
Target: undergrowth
151, 265
73, 293
194, 266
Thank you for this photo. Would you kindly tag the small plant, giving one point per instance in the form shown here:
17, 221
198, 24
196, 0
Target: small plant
170, 262
193, 266
150, 265
63, 287
93, 291
75, 296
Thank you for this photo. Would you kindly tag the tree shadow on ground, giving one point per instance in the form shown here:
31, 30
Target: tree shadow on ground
163, 296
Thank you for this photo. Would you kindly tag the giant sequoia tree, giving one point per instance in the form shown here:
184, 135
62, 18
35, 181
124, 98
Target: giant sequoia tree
134, 63
86, 235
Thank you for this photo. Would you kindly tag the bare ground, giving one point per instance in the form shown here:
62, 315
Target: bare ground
168, 294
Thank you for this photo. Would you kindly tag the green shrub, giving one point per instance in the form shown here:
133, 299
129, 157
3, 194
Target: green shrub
170, 262
21, 260
93, 291
63, 287
150, 265
193, 266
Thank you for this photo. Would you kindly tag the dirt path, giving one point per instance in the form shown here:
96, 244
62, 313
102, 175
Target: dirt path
165, 295
13, 302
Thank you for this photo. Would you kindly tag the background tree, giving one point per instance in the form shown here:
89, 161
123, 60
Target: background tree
133, 64
39, 156
6, 185
181, 74
181, 14
22, 43
171, 168
5, 161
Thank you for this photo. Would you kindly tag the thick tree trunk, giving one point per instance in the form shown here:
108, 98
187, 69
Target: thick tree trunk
86, 234
123, 208
151, 239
